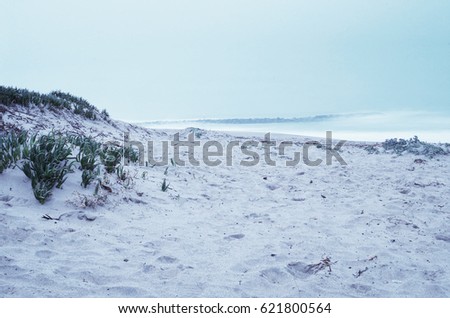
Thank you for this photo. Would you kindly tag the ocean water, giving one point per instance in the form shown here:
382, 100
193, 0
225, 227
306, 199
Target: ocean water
431, 127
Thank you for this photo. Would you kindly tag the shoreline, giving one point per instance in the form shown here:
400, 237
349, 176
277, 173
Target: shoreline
438, 137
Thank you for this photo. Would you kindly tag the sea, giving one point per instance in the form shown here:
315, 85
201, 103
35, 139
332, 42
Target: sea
373, 126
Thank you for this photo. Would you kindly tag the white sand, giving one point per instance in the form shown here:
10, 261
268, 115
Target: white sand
382, 221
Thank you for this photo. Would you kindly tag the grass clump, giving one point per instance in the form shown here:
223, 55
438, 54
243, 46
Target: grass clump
46, 159
11, 146
46, 163
105, 115
87, 158
79, 105
165, 185
111, 155
15, 96
131, 154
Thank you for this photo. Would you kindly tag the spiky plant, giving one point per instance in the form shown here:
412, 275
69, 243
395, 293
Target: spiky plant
88, 159
122, 174
111, 156
165, 185
46, 163
42, 191
4, 158
87, 176
11, 146
131, 154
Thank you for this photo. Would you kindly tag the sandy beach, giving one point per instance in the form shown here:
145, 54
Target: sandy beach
375, 227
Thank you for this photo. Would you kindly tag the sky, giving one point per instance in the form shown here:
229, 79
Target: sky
156, 60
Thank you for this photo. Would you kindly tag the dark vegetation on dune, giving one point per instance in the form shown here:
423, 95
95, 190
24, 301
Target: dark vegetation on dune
56, 100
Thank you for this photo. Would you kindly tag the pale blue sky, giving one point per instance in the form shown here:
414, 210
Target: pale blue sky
151, 60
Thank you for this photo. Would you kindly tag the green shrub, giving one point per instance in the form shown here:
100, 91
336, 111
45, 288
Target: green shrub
80, 106
87, 158
42, 191
131, 154
46, 163
122, 174
79, 140
104, 114
87, 177
4, 158
14, 96
11, 146
46, 160
111, 156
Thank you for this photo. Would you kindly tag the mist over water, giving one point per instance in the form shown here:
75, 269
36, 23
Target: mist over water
428, 126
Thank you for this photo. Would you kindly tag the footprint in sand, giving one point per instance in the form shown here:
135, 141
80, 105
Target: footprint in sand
274, 275
272, 186
124, 291
5, 260
7, 290
234, 237
6, 198
363, 289
443, 237
19, 234
167, 259
148, 268
183, 267
45, 254
259, 218
11, 270
299, 270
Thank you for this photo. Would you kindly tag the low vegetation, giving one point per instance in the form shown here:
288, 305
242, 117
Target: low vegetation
11, 146
413, 146
87, 158
45, 162
165, 185
111, 155
56, 100
47, 159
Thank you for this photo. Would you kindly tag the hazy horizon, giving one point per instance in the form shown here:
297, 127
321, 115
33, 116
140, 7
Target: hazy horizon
374, 126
